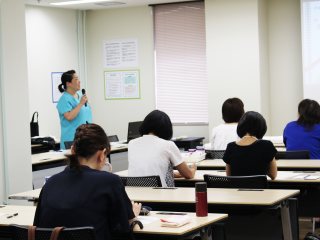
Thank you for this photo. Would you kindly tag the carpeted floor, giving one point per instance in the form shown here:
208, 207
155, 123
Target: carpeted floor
305, 226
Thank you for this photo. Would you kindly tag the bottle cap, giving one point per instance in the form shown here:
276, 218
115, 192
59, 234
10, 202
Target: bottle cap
201, 187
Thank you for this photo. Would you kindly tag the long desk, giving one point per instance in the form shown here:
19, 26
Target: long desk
282, 164
57, 158
152, 228
256, 207
309, 188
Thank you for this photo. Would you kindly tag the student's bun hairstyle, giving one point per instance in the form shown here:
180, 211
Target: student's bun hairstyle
309, 113
65, 77
232, 110
89, 138
252, 123
157, 123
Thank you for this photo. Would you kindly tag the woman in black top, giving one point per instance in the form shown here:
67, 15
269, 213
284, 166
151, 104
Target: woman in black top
251, 155
83, 195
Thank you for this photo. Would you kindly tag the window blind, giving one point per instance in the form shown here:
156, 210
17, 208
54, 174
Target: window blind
180, 62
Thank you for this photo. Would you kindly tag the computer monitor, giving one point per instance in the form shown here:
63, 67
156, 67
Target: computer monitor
133, 130
113, 138
68, 144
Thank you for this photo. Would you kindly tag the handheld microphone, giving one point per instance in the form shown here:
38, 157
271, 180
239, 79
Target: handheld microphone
84, 93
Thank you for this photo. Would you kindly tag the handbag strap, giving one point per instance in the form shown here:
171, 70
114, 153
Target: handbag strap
33, 116
55, 233
31, 232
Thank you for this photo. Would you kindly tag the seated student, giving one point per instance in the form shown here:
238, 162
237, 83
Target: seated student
251, 155
232, 111
154, 153
83, 194
304, 134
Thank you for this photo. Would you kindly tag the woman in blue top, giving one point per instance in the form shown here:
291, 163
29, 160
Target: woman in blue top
304, 134
73, 107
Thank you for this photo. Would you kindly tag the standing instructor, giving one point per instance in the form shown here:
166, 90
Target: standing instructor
73, 107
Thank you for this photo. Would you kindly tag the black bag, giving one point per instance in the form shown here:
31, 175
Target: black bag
34, 125
311, 236
45, 141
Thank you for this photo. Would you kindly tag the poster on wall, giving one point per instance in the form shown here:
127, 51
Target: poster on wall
122, 84
56, 80
120, 53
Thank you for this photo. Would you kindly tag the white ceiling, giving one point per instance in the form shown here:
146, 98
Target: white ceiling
101, 5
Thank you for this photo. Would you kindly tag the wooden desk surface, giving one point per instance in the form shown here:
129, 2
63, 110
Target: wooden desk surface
267, 197
25, 214
283, 176
281, 164
151, 223
47, 157
221, 196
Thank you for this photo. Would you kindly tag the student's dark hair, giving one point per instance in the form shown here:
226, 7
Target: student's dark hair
89, 138
252, 123
65, 77
232, 110
157, 123
309, 113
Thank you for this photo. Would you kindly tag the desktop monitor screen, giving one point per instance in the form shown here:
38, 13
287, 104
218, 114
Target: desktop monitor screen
133, 130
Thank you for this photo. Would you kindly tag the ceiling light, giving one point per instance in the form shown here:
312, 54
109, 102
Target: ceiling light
77, 2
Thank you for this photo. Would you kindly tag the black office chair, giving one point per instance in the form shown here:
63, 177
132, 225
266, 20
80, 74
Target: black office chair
113, 138
68, 144
255, 182
80, 233
146, 181
302, 154
214, 154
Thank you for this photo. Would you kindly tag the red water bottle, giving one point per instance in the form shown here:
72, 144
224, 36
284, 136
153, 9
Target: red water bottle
201, 199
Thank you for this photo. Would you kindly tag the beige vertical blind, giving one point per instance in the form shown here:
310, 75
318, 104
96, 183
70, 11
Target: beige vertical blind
180, 60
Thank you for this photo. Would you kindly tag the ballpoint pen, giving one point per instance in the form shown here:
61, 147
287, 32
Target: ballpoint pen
12, 215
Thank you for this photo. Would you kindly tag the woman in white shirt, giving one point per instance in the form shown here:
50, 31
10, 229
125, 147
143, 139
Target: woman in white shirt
154, 153
232, 111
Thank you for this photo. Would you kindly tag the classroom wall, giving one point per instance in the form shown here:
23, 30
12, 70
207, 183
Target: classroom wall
52, 45
233, 58
252, 45
264, 61
285, 62
15, 155
136, 23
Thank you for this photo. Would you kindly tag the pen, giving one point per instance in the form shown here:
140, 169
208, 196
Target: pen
171, 213
242, 189
12, 215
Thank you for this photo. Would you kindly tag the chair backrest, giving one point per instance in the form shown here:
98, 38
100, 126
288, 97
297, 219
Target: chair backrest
215, 154
68, 144
255, 182
113, 138
79, 233
146, 181
303, 154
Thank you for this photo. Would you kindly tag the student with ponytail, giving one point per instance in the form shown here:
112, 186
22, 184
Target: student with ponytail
85, 195
73, 107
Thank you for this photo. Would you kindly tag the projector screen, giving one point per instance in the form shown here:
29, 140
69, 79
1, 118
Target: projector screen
310, 24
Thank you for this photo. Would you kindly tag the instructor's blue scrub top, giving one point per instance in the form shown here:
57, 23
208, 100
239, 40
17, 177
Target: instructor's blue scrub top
66, 103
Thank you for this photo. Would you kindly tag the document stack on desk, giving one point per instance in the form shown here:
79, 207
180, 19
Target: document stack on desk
175, 221
193, 157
